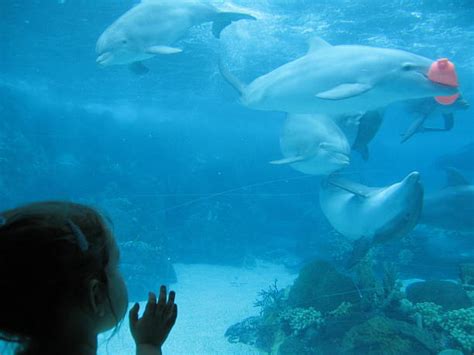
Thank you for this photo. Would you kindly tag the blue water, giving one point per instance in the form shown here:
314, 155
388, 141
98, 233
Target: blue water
178, 163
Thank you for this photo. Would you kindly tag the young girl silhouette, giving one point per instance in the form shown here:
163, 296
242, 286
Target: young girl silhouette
60, 284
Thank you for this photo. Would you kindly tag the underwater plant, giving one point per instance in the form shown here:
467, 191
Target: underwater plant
270, 299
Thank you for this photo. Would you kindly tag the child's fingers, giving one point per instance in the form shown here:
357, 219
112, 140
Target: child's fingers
169, 306
162, 298
150, 305
173, 315
171, 298
133, 315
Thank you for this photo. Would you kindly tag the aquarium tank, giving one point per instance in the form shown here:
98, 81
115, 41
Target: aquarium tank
300, 172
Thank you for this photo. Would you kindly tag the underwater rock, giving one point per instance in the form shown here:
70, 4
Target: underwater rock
244, 332
380, 335
321, 286
444, 293
293, 345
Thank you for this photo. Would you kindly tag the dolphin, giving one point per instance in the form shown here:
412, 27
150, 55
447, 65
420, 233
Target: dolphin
424, 108
153, 26
451, 208
339, 80
361, 129
461, 159
369, 215
313, 144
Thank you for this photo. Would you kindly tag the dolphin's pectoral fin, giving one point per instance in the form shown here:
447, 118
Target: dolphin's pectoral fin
415, 127
455, 178
350, 186
231, 78
224, 19
359, 250
163, 50
317, 44
344, 91
138, 68
289, 160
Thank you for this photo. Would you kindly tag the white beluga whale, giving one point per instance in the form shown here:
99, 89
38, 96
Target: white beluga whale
340, 79
369, 215
451, 208
313, 144
153, 26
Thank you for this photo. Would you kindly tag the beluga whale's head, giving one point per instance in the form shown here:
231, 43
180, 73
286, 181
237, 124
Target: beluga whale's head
409, 78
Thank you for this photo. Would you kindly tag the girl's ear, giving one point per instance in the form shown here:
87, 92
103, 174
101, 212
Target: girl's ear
97, 297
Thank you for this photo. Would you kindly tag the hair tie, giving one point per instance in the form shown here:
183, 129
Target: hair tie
80, 237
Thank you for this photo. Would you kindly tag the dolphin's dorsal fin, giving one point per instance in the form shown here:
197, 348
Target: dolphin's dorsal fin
317, 44
288, 160
455, 178
350, 186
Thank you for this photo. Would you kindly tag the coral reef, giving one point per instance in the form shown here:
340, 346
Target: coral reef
381, 335
297, 320
459, 324
343, 310
244, 332
430, 313
444, 293
326, 313
292, 345
321, 286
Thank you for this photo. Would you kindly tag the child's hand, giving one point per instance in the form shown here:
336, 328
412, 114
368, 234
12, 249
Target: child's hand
153, 327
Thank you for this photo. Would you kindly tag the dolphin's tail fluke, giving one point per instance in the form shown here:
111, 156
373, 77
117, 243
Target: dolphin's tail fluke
224, 19
231, 78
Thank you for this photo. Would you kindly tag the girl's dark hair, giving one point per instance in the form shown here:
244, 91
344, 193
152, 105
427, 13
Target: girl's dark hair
48, 253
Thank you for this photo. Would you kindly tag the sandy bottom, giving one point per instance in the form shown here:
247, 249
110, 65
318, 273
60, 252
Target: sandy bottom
210, 299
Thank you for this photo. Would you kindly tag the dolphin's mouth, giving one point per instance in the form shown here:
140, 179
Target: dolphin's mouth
339, 157
413, 178
336, 154
437, 83
104, 59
